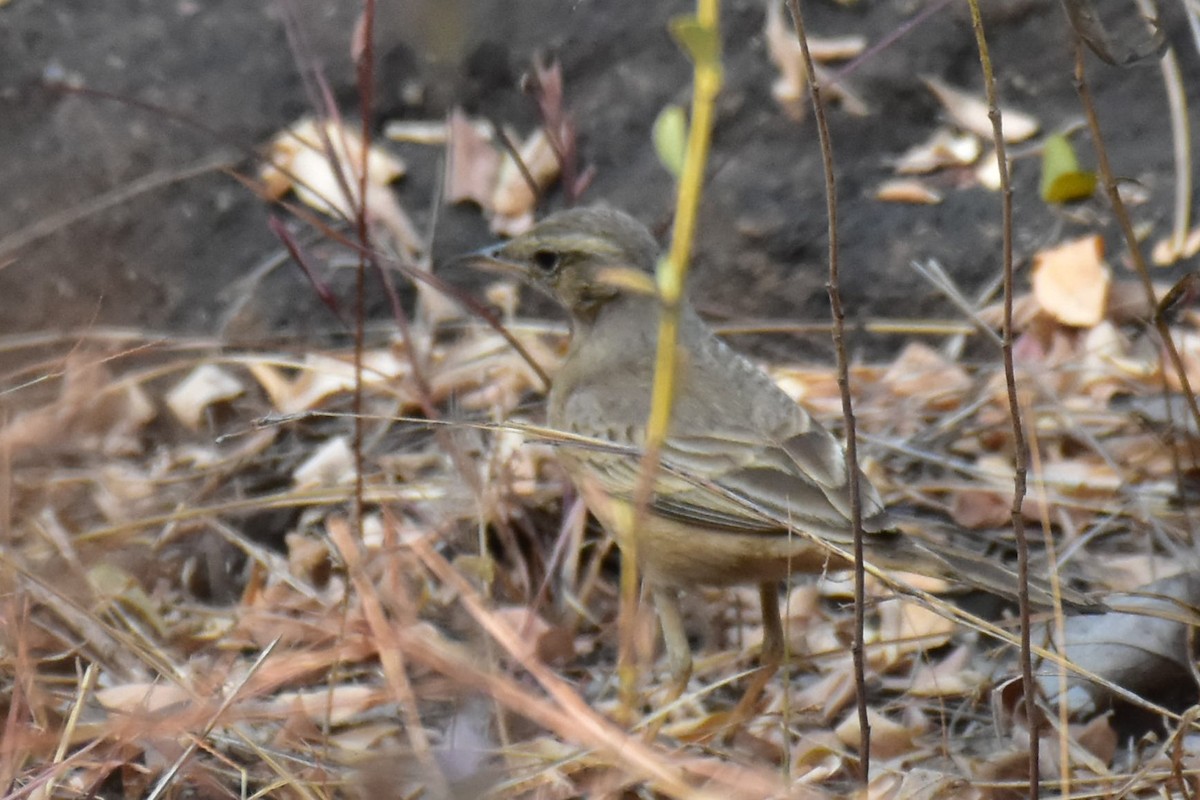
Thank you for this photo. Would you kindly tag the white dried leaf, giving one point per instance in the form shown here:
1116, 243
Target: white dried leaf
331, 465
1166, 252
513, 197
430, 132
907, 190
988, 171
944, 149
207, 385
970, 113
299, 160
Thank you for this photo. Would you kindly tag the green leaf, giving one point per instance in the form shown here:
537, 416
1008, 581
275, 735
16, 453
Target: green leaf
1062, 180
1070, 186
670, 138
702, 44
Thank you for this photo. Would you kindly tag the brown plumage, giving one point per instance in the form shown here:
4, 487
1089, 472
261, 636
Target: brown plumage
743, 468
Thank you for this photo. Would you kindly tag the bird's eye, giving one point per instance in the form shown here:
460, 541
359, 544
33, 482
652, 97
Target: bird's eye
546, 260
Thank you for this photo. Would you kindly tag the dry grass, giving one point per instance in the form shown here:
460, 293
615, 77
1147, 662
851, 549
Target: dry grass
188, 610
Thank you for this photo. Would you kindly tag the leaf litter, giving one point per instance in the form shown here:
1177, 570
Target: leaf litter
262, 449
193, 575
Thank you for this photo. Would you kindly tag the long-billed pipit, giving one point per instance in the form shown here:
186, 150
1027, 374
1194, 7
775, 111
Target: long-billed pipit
744, 473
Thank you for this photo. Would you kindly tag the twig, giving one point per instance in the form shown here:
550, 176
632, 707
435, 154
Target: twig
672, 275
1180, 133
1159, 318
843, 372
1020, 446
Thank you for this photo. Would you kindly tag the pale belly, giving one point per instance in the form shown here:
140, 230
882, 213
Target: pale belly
672, 553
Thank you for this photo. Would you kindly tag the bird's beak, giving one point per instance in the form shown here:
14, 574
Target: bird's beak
489, 259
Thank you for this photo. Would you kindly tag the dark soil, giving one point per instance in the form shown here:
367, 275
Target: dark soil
171, 257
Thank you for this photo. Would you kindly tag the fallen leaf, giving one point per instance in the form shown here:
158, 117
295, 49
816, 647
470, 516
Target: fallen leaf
988, 171
1062, 180
907, 627
1141, 647
977, 509
472, 162
132, 698
513, 198
888, 739
297, 159
919, 784
1168, 252
790, 89
206, 386
970, 113
321, 377
907, 190
331, 464
944, 149
947, 677
549, 643
924, 373
335, 705
93, 412
1071, 282
430, 132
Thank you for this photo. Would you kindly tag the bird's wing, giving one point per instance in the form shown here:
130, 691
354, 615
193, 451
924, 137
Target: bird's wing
734, 480
798, 482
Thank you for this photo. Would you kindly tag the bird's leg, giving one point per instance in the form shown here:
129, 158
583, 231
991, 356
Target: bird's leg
772, 647
772, 651
679, 651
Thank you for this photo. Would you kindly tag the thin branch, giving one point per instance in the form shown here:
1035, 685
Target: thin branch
1020, 446
843, 379
672, 275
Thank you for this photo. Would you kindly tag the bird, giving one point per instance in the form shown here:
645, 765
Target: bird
750, 488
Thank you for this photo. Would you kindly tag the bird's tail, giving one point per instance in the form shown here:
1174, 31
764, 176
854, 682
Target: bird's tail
915, 551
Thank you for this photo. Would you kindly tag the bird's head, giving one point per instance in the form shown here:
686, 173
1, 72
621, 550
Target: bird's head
583, 257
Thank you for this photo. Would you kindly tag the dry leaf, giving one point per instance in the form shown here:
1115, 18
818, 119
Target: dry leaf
1098, 737
207, 385
948, 677
907, 627
1071, 282
814, 760
323, 376
332, 464
335, 705
790, 89
472, 162
944, 149
430, 132
828, 696
988, 171
298, 160
907, 190
971, 113
93, 412
513, 198
888, 739
550, 644
133, 698
923, 373
1165, 253
977, 509
919, 784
